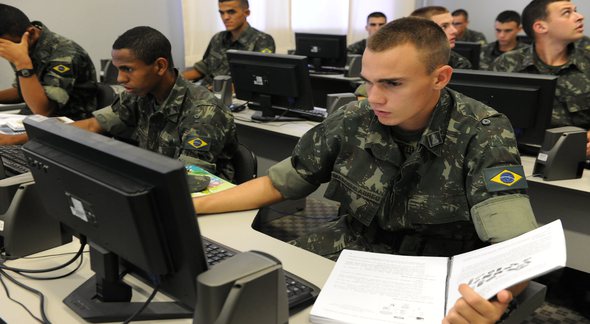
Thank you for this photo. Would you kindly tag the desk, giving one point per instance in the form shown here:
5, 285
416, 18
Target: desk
232, 229
568, 200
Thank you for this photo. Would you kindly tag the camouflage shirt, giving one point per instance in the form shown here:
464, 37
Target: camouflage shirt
190, 125
491, 51
66, 73
357, 48
215, 62
473, 36
457, 61
384, 194
584, 43
571, 106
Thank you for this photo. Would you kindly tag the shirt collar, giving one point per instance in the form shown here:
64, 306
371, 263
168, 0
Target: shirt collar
244, 38
172, 104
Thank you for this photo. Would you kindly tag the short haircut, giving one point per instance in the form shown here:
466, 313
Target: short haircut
428, 12
508, 16
243, 3
426, 36
13, 22
146, 43
460, 12
535, 10
376, 14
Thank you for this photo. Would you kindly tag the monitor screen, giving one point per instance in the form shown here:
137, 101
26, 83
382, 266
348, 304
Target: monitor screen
276, 84
470, 51
322, 50
526, 99
128, 202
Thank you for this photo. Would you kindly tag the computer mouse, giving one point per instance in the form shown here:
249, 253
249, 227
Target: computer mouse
197, 183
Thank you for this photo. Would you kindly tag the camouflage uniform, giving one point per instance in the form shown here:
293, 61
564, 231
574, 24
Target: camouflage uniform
473, 36
190, 125
428, 200
214, 61
357, 48
491, 51
457, 61
571, 106
66, 73
584, 43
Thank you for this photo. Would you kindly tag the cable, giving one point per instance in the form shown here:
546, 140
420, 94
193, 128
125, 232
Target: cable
20, 271
16, 301
156, 282
34, 291
56, 277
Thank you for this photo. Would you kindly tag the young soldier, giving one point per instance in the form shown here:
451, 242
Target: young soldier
507, 27
555, 26
464, 34
160, 110
54, 75
238, 35
375, 20
416, 167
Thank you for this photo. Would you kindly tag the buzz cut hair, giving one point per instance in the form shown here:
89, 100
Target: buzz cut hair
243, 3
376, 14
428, 12
460, 12
507, 16
146, 43
13, 22
425, 35
535, 10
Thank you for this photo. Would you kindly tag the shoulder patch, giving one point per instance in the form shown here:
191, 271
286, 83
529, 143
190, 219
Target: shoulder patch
265, 50
62, 69
195, 143
505, 178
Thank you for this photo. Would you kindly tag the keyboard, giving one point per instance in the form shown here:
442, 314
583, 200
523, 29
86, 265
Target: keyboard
299, 292
13, 160
283, 114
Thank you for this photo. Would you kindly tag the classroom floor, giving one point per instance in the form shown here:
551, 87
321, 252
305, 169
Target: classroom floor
568, 290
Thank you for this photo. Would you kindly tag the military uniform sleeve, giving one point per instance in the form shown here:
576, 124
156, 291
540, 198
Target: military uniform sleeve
202, 65
496, 183
110, 118
207, 131
58, 79
265, 44
502, 64
356, 48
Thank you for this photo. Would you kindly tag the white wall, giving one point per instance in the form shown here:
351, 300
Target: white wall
95, 24
483, 13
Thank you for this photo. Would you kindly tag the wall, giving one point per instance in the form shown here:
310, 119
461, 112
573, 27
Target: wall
95, 24
483, 13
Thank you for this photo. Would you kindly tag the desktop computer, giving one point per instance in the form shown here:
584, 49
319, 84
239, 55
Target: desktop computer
326, 53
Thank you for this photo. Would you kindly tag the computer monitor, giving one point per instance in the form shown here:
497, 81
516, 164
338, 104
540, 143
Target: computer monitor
134, 208
276, 84
469, 50
526, 99
324, 51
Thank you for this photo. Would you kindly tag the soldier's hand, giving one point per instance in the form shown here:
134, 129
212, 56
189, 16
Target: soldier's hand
472, 308
17, 53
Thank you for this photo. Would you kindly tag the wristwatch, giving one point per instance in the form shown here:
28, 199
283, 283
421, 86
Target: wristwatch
25, 73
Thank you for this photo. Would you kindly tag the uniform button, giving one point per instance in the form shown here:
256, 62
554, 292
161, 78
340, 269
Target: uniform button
486, 121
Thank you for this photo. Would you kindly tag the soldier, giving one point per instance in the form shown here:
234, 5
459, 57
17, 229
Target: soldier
375, 20
555, 26
238, 35
464, 34
418, 169
442, 17
161, 111
54, 75
507, 27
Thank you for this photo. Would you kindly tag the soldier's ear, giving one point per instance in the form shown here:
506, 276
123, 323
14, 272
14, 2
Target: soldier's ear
442, 76
161, 65
540, 27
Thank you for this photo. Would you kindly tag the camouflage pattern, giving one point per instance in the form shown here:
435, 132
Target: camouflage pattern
191, 125
357, 48
387, 201
571, 106
491, 51
473, 36
584, 43
214, 61
66, 73
458, 61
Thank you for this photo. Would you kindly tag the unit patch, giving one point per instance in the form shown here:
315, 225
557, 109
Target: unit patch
196, 143
62, 69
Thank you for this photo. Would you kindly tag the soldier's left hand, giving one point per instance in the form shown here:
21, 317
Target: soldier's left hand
16, 53
472, 308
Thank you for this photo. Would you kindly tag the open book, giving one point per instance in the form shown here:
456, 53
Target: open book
215, 185
367, 287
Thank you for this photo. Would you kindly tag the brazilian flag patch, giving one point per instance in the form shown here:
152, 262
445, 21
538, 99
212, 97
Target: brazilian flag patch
505, 178
62, 69
266, 50
196, 143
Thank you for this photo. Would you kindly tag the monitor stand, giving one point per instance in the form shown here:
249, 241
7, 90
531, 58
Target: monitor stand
267, 114
105, 298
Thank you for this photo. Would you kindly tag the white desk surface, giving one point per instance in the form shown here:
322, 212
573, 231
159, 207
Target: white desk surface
232, 229
290, 128
582, 184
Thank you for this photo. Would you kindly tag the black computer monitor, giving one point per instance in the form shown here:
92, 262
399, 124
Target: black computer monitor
324, 51
526, 99
278, 85
134, 208
469, 50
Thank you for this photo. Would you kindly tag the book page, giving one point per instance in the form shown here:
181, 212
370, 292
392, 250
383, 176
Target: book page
367, 288
499, 266
215, 185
